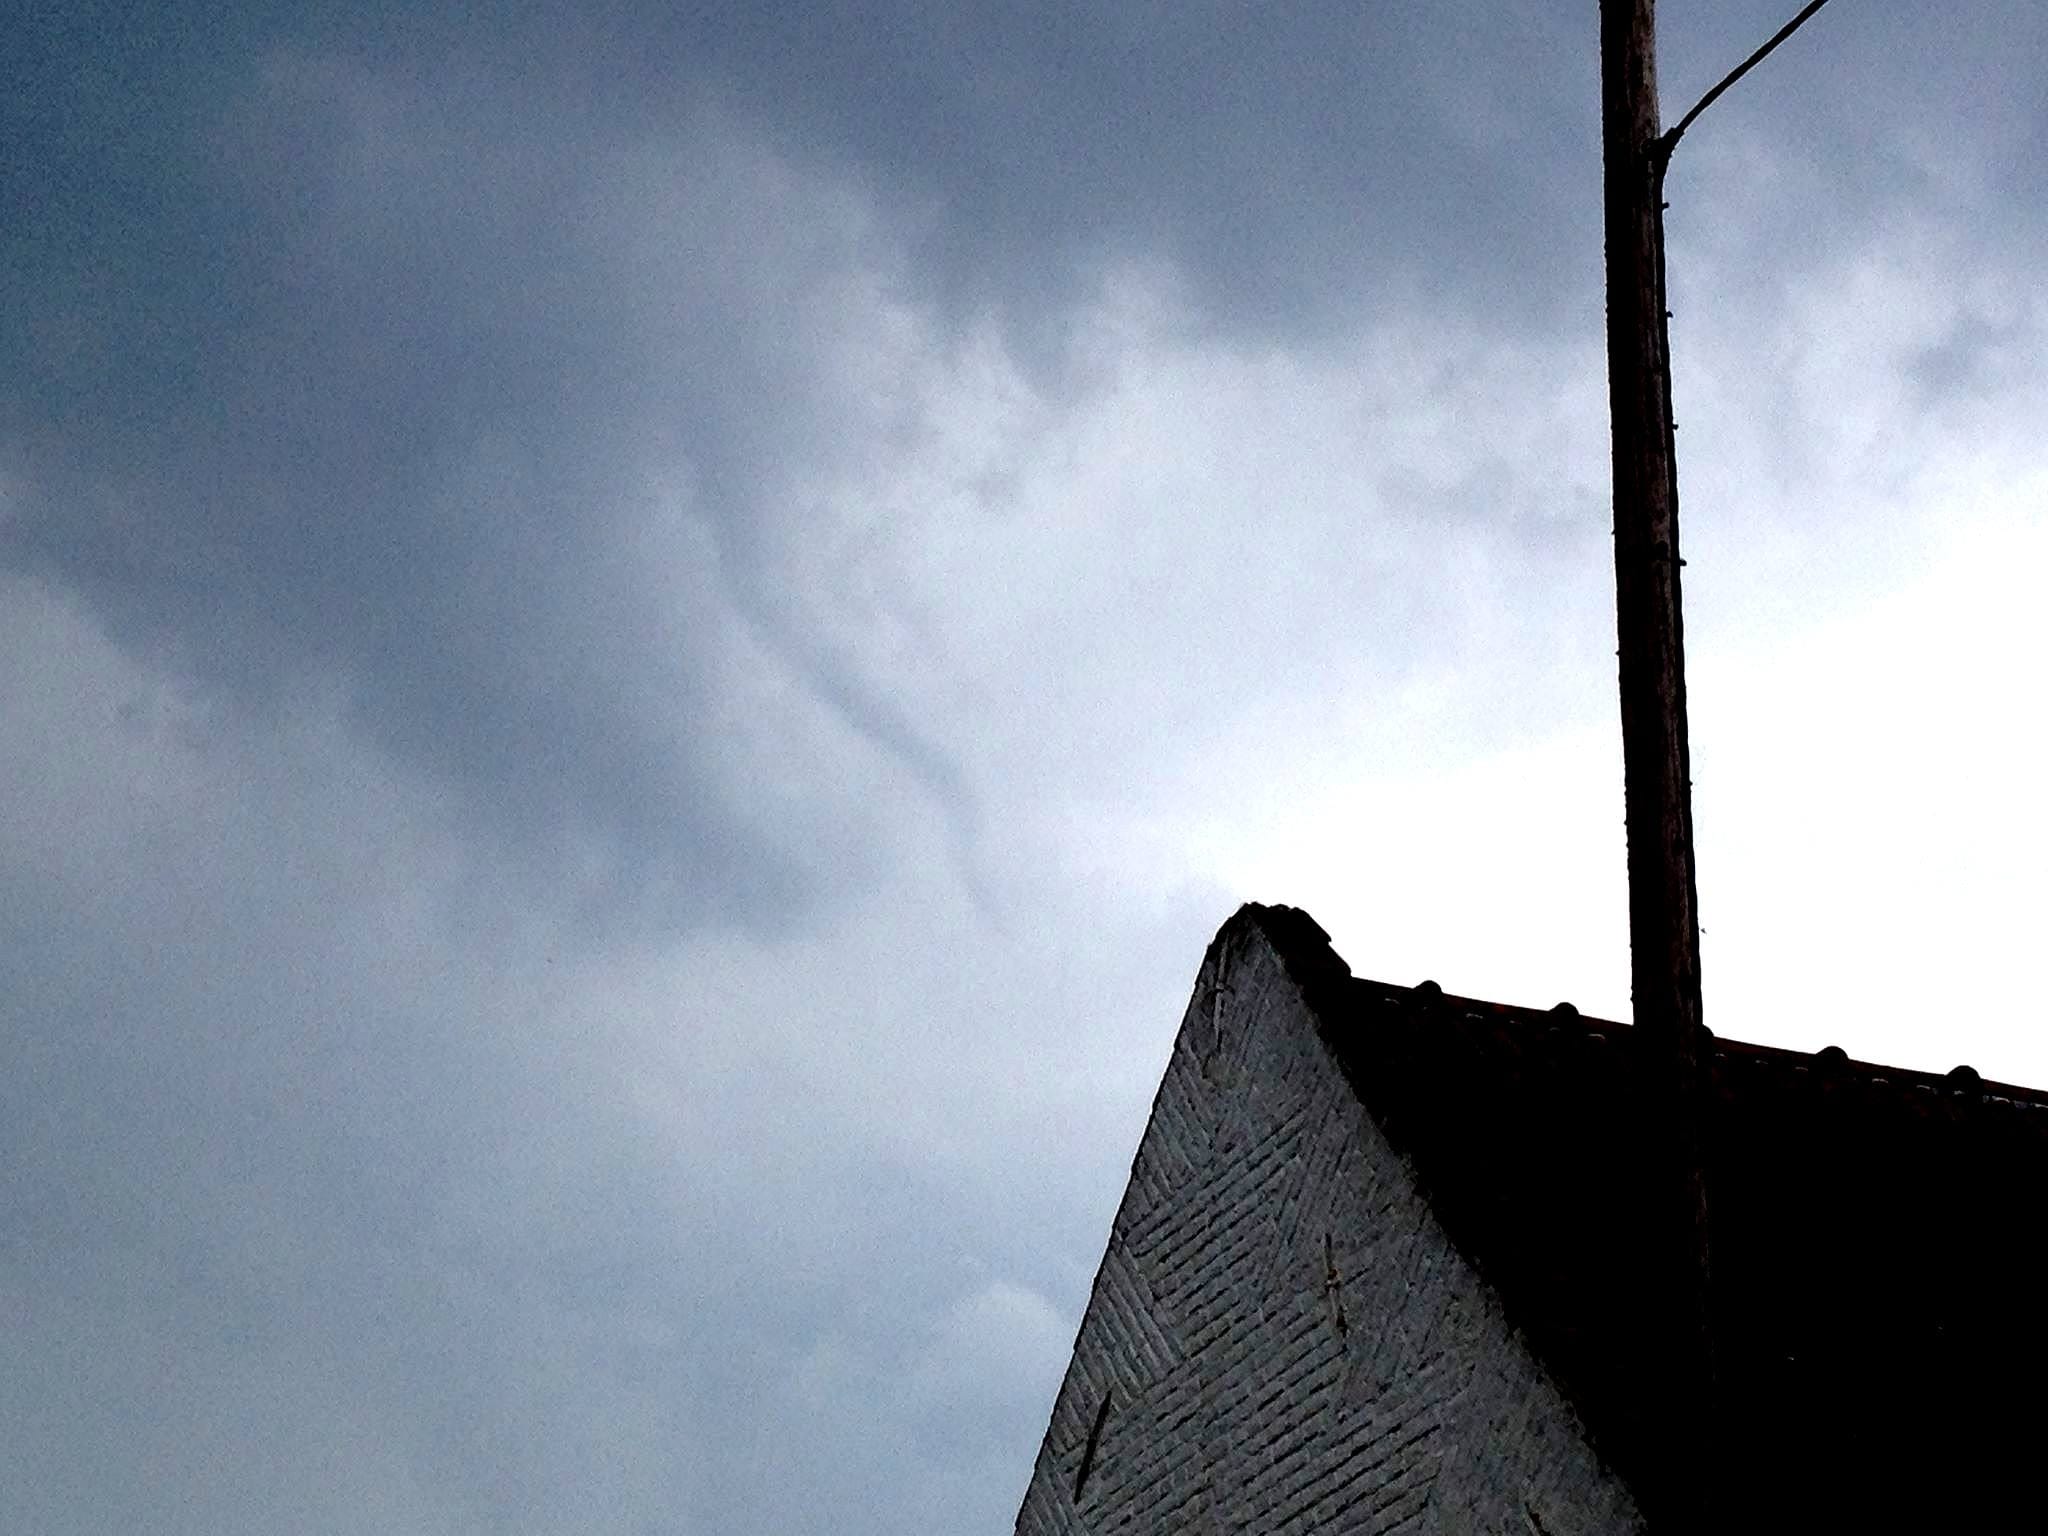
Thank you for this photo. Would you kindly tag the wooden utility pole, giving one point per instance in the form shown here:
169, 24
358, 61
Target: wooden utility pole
1664, 945
1673, 1050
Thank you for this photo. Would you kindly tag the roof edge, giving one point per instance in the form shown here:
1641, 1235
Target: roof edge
1311, 961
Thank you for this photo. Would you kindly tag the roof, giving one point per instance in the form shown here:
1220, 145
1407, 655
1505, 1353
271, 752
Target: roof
1879, 1251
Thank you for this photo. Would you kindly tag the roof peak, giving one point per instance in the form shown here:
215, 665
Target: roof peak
1307, 950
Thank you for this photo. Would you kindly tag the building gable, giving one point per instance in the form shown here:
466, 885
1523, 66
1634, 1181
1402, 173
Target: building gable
1282, 1336
1381, 1265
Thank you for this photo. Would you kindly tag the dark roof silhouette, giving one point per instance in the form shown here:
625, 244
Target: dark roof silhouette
1880, 1261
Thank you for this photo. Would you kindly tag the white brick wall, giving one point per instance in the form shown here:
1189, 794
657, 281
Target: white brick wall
1281, 1339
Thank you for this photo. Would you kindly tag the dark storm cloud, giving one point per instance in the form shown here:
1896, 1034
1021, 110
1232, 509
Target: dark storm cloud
376, 354
420, 433
1298, 164
1869, 116
375, 358
1289, 161
381, 388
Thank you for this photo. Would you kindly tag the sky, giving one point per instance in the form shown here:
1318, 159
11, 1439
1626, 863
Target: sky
639, 646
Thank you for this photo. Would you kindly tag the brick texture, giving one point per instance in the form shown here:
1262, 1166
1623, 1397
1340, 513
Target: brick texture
1281, 1339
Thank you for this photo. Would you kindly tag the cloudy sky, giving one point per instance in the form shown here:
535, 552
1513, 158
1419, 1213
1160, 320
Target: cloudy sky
639, 645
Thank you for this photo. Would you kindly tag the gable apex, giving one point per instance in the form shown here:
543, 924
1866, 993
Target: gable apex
1349, 1189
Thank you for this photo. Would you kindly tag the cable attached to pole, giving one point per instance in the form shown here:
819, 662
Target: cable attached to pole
1669, 141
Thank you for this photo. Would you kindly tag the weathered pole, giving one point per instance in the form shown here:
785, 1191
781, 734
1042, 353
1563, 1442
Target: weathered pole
1664, 950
